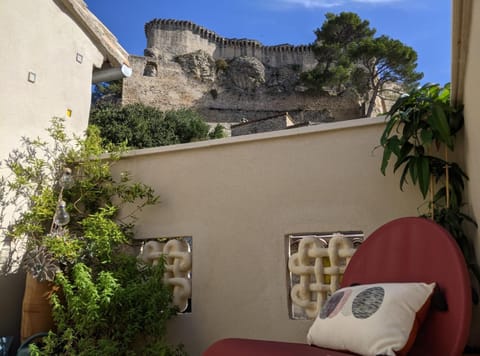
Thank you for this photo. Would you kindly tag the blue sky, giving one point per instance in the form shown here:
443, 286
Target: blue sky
424, 25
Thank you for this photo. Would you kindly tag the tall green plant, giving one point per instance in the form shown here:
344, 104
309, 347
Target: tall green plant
117, 311
419, 135
104, 303
102, 208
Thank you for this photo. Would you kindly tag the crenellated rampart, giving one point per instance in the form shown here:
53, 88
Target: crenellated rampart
176, 37
254, 81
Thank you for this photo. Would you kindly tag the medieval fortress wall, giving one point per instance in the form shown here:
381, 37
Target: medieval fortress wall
227, 80
174, 37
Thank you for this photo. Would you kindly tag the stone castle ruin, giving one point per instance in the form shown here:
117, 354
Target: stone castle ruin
175, 38
228, 81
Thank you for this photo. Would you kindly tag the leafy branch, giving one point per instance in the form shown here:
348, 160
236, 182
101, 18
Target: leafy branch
419, 135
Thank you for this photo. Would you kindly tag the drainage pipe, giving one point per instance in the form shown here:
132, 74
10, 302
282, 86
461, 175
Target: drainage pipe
108, 75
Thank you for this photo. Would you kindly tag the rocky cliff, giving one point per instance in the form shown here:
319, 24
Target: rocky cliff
226, 88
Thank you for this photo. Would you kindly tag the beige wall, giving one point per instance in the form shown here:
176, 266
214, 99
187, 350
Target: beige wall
239, 197
472, 135
38, 36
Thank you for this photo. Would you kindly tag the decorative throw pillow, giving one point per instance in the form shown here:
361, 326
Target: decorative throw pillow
372, 319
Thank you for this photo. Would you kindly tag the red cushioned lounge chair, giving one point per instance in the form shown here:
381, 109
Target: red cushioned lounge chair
403, 250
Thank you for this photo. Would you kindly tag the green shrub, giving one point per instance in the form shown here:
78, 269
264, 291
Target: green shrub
217, 132
221, 64
141, 126
117, 312
104, 303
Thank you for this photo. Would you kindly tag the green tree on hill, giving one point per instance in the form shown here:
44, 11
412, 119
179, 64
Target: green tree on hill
383, 60
350, 57
334, 38
142, 126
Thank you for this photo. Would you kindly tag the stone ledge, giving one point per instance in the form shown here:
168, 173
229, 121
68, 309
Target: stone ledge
327, 127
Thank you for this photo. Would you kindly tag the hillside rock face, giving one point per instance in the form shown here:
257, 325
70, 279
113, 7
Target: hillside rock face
227, 80
245, 74
198, 65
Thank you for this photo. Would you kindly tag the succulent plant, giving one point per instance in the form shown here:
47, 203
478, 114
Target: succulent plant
40, 263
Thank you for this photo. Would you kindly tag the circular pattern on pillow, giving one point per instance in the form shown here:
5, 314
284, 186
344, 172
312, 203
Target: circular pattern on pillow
335, 304
367, 302
331, 304
372, 319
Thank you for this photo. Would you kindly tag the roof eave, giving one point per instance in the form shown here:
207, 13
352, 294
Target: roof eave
461, 23
115, 54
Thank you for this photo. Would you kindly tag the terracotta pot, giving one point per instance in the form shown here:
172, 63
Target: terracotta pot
36, 308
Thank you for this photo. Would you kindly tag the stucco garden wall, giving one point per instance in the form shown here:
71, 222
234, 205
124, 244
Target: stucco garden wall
238, 198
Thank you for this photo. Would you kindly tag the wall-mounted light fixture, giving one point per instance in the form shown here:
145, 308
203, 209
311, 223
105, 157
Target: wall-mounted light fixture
79, 58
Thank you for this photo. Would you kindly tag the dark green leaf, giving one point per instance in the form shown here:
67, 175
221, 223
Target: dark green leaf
386, 157
388, 129
423, 171
427, 137
403, 177
413, 168
394, 144
403, 155
439, 122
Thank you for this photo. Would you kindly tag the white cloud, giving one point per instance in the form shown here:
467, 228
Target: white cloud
376, 1
309, 4
332, 3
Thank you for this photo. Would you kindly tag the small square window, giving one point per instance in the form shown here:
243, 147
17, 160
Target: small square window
32, 77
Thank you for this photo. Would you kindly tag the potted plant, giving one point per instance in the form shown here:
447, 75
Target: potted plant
77, 222
420, 136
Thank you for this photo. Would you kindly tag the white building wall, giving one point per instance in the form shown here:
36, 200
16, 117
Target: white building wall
472, 143
39, 37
